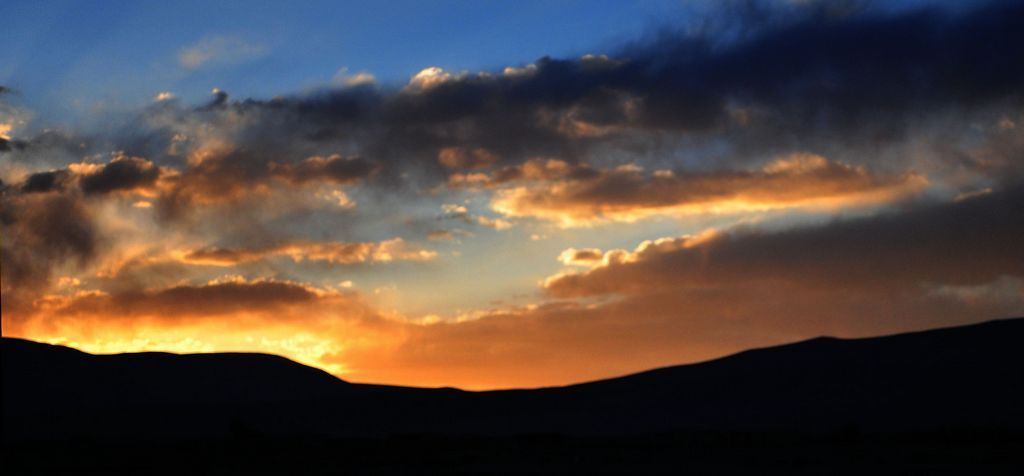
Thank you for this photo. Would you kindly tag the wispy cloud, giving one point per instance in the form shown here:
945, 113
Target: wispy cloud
219, 49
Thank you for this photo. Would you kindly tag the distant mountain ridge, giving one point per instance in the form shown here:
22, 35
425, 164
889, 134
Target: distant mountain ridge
962, 377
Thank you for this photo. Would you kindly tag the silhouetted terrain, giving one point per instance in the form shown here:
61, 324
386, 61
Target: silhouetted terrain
962, 385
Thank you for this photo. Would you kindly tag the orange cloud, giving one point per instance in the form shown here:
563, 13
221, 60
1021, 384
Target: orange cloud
584, 257
395, 249
530, 170
221, 174
461, 158
578, 195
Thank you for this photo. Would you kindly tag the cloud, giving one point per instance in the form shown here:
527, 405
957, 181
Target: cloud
440, 235
121, 173
42, 231
225, 175
395, 249
219, 50
496, 223
460, 158
6, 144
335, 169
82, 202
453, 211
50, 222
429, 78
958, 243
530, 170
783, 86
627, 193
215, 298
680, 300
346, 79
710, 99
43, 182
584, 257
12, 119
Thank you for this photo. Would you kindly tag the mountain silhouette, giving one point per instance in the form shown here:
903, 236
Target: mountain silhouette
953, 378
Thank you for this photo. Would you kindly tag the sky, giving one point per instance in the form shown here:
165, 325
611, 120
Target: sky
506, 194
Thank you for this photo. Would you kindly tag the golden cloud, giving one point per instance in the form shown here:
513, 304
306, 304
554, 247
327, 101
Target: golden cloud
579, 196
395, 249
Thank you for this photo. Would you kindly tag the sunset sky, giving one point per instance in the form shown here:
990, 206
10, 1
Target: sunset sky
506, 194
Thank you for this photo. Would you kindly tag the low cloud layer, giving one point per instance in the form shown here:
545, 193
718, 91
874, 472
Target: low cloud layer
969, 242
394, 249
216, 298
627, 193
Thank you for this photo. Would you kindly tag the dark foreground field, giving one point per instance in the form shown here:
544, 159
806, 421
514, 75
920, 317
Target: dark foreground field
961, 451
948, 399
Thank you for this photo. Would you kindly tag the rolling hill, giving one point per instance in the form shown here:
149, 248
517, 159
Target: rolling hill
963, 377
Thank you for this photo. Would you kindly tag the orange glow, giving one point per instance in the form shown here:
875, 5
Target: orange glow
530, 346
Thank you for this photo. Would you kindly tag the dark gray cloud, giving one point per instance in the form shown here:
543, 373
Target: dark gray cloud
42, 182
842, 73
48, 223
336, 169
41, 231
8, 145
756, 80
838, 75
244, 173
194, 300
122, 173
47, 150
